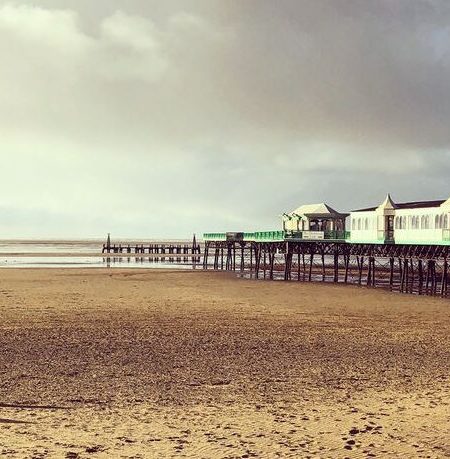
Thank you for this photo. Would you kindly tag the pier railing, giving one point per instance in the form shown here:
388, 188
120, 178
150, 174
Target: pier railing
273, 236
333, 235
246, 236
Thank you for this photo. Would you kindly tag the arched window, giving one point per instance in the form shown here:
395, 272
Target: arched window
445, 222
366, 223
353, 223
425, 222
359, 224
438, 221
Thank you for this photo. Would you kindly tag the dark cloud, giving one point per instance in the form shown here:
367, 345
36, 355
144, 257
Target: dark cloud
188, 115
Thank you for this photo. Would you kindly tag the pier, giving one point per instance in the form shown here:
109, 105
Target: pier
418, 269
192, 250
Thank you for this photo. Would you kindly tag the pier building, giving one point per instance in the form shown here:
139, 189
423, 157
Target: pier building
314, 222
416, 222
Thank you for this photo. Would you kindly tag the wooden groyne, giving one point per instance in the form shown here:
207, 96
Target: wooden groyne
419, 269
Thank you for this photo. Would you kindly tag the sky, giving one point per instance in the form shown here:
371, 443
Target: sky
161, 118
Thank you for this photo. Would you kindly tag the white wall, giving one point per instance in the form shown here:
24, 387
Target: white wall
364, 226
423, 229
415, 226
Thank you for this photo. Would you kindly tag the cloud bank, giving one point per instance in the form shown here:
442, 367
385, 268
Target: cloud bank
149, 118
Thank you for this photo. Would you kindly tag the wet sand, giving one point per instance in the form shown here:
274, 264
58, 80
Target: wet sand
157, 364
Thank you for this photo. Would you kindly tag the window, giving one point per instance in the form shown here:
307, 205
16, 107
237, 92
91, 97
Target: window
366, 223
438, 221
359, 224
425, 222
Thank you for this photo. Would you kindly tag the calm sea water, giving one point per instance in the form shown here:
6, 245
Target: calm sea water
78, 254
53, 247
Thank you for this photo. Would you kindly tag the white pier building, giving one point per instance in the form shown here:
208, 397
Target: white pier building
417, 222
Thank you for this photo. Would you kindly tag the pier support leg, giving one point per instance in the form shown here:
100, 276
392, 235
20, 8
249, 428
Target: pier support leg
391, 272
444, 279
311, 261
420, 282
336, 265
323, 265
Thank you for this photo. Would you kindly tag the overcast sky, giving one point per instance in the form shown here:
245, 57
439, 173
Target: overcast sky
160, 118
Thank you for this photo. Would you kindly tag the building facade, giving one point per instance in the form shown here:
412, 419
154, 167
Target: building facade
315, 221
418, 222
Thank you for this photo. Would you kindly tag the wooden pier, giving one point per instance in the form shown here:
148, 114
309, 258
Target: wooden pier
157, 248
418, 269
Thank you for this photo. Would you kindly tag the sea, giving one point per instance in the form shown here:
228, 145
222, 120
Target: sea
84, 254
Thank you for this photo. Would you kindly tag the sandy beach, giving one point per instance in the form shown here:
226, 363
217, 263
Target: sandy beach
157, 364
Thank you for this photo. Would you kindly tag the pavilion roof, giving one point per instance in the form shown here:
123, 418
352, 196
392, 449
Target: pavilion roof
320, 209
408, 205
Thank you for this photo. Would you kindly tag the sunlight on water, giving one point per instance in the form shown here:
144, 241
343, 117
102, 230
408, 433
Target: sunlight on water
78, 254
